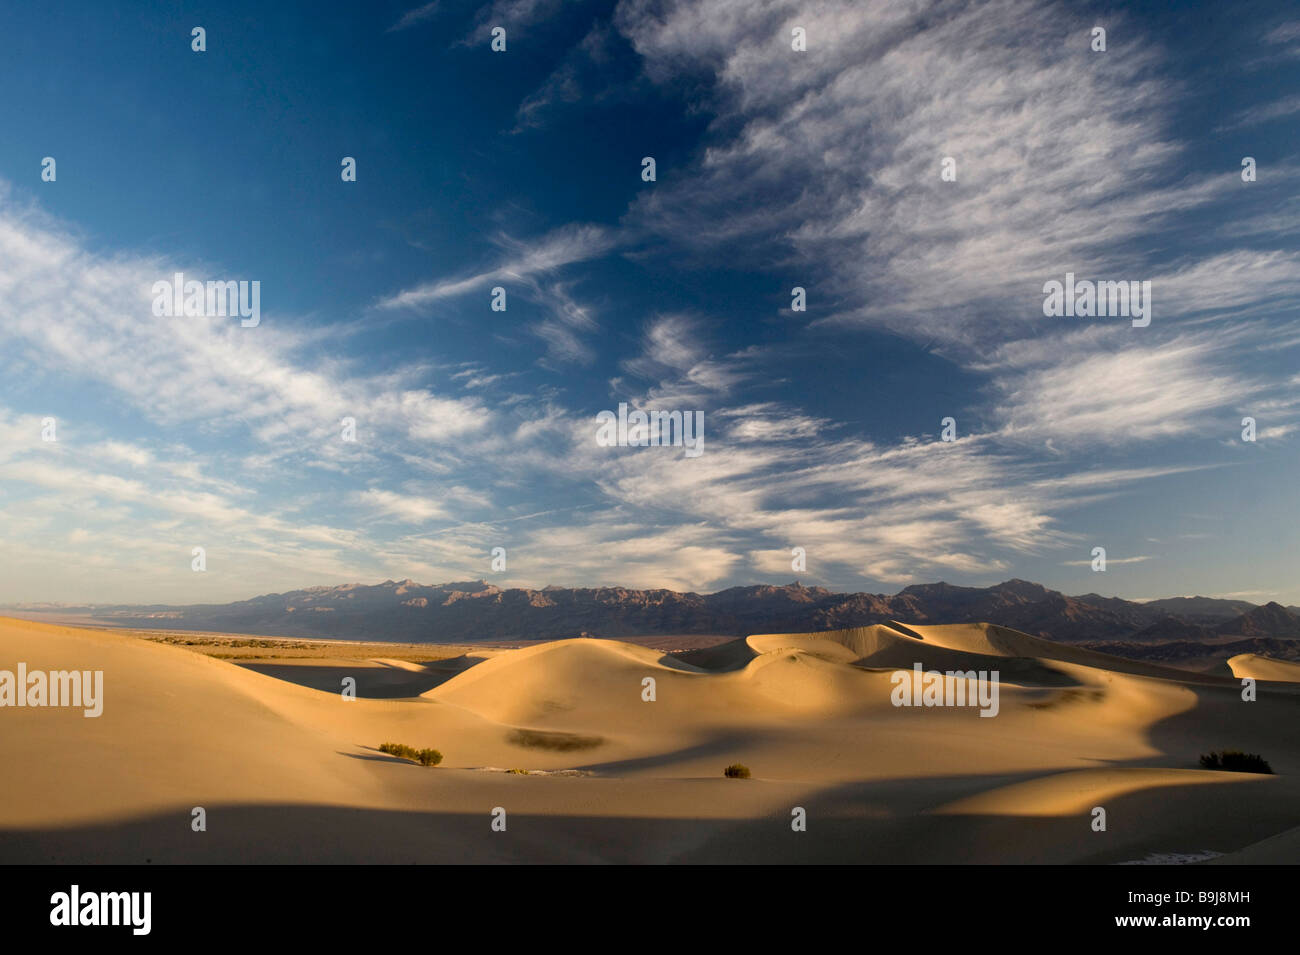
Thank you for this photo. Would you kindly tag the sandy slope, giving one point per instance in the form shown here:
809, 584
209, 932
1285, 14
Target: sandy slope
288, 770
1264, 668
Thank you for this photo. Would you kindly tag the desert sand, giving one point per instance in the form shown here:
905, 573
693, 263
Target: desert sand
1264, 668
288, 770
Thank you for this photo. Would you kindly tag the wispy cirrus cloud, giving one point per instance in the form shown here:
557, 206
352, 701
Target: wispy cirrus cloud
522, 260
531, 269
1264, 113
1064, 160
415, 16
512, 15
818, 168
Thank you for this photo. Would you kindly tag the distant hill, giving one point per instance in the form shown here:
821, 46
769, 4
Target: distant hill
1270, 620
469, 611
1198, 655
1204, 620
1206, 611
1169, 628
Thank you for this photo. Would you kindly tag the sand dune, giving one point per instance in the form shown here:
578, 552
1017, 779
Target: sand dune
288, 769
1281, 849
1264, 668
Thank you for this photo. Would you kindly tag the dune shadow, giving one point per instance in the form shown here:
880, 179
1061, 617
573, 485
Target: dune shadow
721, 744
722, 658
375, 757
851, 824
372, 682
1221, 719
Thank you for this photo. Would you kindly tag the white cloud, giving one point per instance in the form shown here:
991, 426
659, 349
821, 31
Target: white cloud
1066, 161
522, 260
1078, 391
412, 17
825, 163
415, 510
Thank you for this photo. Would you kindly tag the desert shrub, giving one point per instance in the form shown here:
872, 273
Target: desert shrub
560, 742
736, 771
1236, 761
425, 757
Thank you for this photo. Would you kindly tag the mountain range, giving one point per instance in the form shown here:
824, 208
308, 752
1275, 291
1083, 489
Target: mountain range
477, 611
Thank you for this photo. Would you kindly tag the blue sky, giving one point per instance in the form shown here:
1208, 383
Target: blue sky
522, 169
